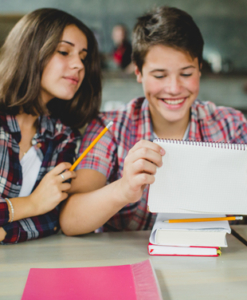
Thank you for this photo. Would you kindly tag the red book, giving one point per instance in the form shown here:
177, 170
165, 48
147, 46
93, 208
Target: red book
182, 251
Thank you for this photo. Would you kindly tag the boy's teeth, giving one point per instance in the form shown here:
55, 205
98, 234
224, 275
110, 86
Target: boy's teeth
174, 101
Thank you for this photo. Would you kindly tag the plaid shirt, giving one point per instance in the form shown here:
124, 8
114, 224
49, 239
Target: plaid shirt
54, 144
208, 123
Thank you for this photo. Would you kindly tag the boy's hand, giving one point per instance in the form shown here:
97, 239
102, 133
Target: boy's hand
139, 168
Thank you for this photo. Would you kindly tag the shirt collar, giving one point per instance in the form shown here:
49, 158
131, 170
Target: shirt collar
145, 127
45, 125
12, 124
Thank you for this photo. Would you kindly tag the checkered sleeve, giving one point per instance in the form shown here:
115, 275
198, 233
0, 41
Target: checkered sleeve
32, 228
4, 212
102, 156
240, 130
46, 224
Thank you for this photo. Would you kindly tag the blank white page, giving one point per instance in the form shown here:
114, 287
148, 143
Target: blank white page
199, 177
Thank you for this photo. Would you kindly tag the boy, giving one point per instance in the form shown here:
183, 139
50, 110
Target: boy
111, 187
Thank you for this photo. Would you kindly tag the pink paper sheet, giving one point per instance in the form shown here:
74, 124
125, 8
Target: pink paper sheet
104, 283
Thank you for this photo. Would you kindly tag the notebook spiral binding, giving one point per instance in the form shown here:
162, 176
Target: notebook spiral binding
205, 144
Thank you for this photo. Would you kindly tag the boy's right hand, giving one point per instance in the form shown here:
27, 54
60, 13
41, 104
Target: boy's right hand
52, 189
139, 168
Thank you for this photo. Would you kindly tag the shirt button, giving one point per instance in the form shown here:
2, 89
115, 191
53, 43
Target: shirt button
39, 145
55, 228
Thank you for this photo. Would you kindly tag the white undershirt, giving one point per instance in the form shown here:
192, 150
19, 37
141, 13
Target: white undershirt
31, 164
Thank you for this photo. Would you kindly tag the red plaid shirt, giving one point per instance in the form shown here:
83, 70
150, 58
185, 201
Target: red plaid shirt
54, 144
208, 123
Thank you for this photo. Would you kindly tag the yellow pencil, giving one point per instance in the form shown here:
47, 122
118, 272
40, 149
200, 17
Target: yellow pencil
204, 219
90, 146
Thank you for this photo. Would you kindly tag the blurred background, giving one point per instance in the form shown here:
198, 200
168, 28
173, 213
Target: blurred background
223, 24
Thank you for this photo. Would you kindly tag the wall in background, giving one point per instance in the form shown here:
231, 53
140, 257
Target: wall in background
223, 22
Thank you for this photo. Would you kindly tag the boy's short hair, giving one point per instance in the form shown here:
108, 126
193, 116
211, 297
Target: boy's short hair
166, 26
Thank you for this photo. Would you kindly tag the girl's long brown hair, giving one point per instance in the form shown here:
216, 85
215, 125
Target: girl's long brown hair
26, 51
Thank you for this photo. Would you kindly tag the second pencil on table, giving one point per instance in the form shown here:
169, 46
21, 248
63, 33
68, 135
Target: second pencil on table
232, 218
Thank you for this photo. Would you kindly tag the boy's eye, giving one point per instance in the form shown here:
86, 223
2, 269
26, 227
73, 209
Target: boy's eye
186, 75
159, 76
64, 53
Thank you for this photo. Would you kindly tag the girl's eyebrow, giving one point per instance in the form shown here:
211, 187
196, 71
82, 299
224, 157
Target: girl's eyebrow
67, 42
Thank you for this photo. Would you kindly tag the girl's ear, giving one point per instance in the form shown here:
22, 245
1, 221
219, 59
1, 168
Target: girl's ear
138, 75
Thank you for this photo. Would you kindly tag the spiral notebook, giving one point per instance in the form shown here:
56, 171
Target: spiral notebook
200, 177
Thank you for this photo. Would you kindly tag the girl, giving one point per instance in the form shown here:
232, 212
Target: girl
49, 56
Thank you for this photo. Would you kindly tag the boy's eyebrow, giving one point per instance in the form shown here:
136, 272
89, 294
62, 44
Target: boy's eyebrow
188, 67
67, 42
164, 70
158, 70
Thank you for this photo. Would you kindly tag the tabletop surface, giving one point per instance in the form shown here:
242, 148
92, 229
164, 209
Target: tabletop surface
179, 277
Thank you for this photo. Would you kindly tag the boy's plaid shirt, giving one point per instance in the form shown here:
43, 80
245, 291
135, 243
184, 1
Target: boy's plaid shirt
208, 123
54, 143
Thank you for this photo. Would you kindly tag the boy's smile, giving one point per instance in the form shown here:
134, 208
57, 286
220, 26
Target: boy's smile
170, 80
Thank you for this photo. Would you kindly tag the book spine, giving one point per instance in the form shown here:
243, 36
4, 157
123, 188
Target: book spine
152, 252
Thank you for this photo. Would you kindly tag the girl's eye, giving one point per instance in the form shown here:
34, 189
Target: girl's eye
64, 53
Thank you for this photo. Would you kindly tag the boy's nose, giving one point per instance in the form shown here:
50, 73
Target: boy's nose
173, 86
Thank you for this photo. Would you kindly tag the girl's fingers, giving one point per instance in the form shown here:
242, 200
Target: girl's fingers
60, 168
64, 196
66, 175
65, 186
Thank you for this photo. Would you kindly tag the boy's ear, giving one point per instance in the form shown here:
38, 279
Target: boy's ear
138, 75
200, 69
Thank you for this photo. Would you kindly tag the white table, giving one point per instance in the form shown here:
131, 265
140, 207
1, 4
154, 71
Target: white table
192, 278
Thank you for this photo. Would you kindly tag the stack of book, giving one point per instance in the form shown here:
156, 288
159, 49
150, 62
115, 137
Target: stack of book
189, 238
196, 178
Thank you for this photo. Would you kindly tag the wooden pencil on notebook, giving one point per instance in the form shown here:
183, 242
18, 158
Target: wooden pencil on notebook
90, 146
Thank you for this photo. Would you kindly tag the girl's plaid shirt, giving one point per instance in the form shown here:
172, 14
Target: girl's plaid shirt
54, 143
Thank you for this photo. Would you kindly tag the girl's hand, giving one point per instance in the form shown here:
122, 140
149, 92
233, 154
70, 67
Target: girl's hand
52, 189
139, 168
2, 234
